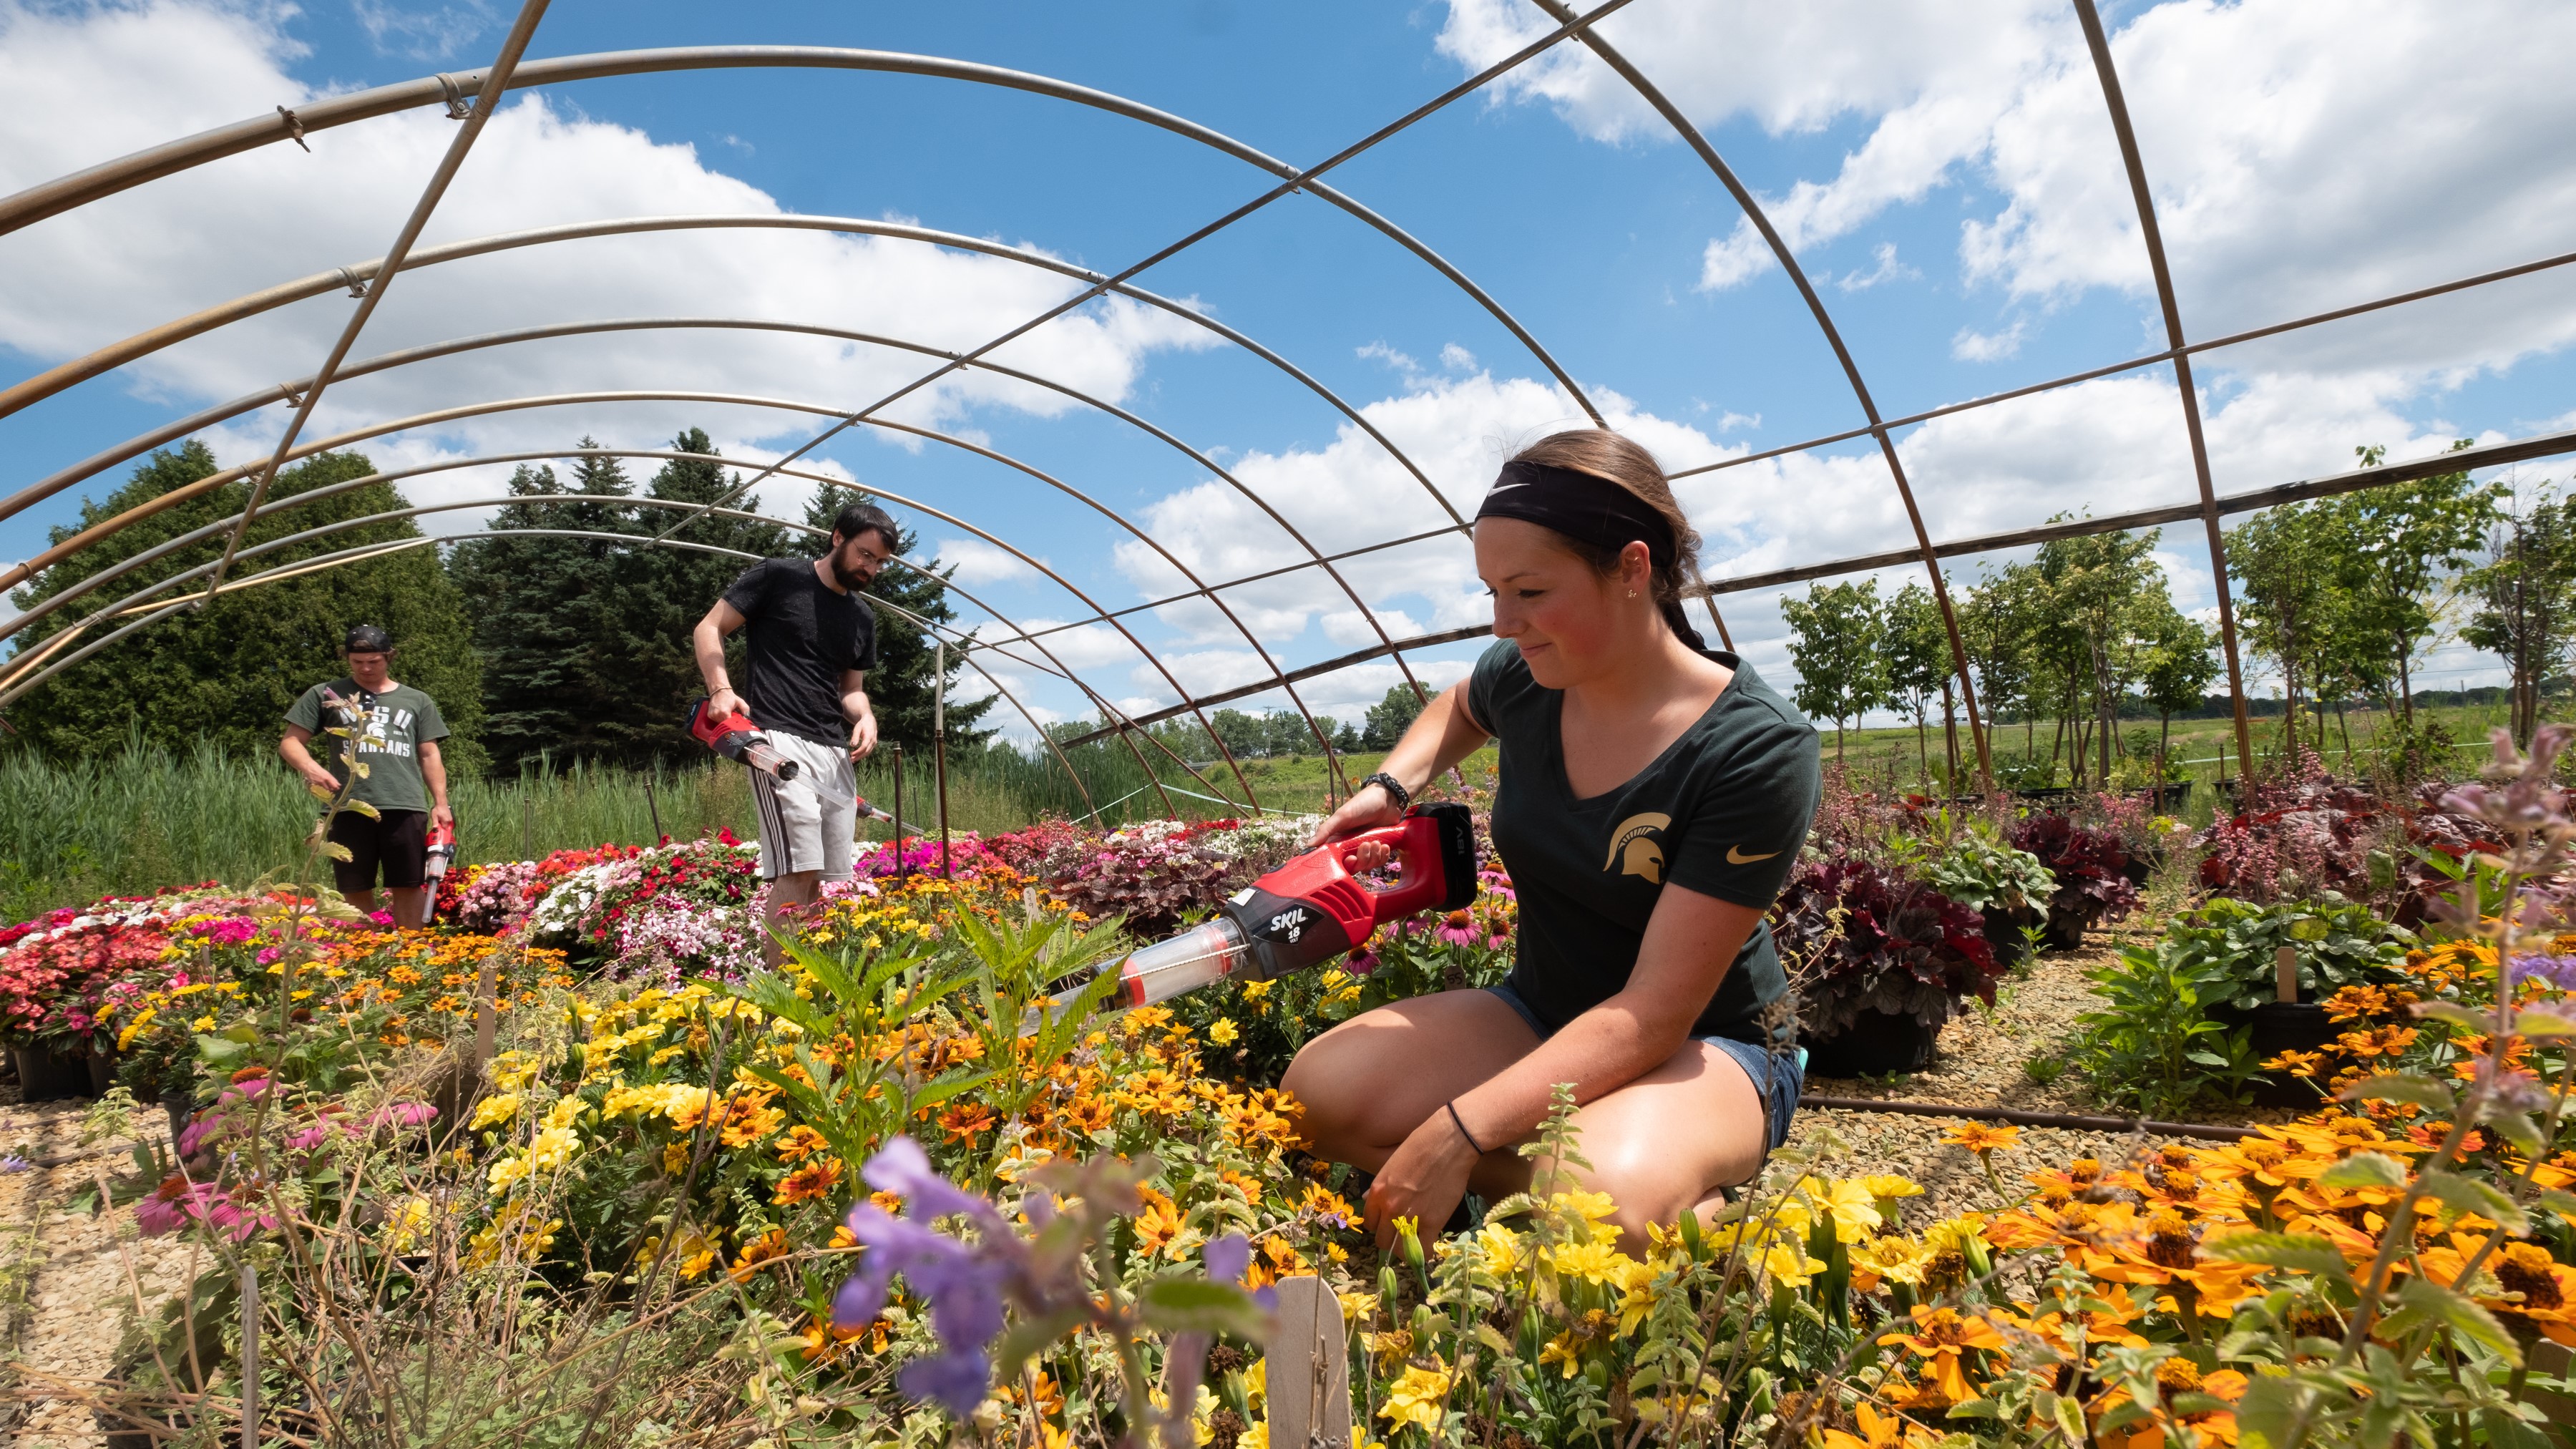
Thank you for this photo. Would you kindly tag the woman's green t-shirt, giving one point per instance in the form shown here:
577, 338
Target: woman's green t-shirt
1722, 811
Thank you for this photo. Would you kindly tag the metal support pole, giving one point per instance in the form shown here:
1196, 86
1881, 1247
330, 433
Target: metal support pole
939, 748
653, 805
897, 749
249, 1356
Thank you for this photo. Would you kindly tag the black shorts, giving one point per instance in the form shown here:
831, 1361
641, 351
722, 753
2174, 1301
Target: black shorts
399, 842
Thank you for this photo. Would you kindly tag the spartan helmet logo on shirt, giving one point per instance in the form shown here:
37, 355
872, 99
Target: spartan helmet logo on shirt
1633, 852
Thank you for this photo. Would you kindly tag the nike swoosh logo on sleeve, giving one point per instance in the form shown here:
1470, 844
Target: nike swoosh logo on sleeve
1735, 855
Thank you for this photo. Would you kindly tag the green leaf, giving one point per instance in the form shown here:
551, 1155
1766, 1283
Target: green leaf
337, 851
1195, 1305
217, 1051
2468, 1195
363, 808
2365, 1169
2540, 1025
2456, 1014
2405, 1087
2294, 1251
2436, 1302
1028, 1338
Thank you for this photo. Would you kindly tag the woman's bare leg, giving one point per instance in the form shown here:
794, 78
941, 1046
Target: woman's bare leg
1369, 1082
1666, 1142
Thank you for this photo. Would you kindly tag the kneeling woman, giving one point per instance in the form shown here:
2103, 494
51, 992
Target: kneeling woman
1653, 797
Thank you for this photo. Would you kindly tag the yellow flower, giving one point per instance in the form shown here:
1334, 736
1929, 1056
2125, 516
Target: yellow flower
1255, 990
1417, 1397
1501, 1249
495, 1109
1886, 1186
552, 1149
1594, 1262
1900, 1260
566, 1112
1851, 1205
205, 1022
1223, 1033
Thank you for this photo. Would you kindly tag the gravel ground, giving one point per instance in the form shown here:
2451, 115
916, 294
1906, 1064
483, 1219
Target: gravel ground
1979, 1063
66, 1333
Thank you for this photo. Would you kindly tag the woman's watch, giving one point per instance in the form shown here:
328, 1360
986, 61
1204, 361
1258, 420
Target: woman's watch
1394, 789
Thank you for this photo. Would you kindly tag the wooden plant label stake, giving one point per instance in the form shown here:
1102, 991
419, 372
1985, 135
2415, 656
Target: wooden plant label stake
1307, 1381
2285, 972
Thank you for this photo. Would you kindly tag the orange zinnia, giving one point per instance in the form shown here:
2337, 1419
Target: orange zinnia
1943, 1338
815, 1179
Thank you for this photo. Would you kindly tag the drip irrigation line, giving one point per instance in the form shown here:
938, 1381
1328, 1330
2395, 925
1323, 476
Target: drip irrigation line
2147, 1125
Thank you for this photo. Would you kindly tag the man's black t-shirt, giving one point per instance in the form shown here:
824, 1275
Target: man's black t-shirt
1722, 811
801, 639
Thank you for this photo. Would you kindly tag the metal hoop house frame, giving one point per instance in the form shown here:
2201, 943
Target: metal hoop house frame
472, 97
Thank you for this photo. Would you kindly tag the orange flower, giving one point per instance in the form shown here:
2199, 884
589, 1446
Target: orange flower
771, 1244
1881, 1431
1943, 1338
815, 1179
1980, 1138
800, 1143
1157, 1223
966, 1121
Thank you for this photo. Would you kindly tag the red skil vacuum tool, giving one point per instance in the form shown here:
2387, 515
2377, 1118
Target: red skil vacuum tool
1306, 912
439, 856
735, 737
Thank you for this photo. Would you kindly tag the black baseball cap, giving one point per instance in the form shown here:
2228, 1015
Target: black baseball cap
367, 639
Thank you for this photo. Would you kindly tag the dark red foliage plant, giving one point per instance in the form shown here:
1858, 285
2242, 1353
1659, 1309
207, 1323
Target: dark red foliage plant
1859, 937
2092, 870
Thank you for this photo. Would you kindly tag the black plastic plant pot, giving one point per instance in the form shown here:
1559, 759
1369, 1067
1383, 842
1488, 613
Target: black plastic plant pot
48, 1075
1876, 1044
2288, 1026
2003, 932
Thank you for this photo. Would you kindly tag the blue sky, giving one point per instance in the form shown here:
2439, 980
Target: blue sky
1943, 171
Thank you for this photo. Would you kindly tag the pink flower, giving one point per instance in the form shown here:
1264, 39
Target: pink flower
270, 954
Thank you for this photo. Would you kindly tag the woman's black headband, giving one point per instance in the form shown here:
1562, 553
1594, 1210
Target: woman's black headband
1582, 507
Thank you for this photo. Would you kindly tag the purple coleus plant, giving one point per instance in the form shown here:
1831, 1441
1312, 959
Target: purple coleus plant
977, 1277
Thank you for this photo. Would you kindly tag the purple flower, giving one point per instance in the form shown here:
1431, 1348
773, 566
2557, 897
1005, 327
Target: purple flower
965, 1283
2556, 971
1227, 1257
16, 1163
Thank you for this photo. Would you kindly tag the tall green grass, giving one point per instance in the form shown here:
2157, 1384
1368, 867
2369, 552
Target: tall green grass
139, 819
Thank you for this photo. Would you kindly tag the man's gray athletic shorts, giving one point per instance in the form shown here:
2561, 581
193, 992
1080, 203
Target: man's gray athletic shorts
800, 828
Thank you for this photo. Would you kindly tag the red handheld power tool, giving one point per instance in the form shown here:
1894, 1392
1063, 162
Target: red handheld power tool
735, 737
439, 855
1308, 911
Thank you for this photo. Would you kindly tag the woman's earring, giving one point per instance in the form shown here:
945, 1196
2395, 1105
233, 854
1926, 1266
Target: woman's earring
1632, 593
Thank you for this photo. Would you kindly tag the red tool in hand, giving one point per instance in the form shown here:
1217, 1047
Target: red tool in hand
1308, 911
735, 737
439, 855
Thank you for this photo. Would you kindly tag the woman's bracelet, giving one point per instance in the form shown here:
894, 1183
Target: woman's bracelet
1461, 1124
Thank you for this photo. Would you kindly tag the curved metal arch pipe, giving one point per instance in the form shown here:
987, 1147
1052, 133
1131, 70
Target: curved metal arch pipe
2099, 42
217, 480
142, 344
1653, 96
1200, 587
82, 187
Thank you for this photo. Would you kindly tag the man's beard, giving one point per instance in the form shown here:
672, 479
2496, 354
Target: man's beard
848, 577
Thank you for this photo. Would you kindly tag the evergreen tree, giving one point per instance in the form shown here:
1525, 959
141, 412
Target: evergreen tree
901, 688
646, 667
543, 607
226, 673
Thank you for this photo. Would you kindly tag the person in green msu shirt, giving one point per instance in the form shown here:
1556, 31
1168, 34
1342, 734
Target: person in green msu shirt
396, 729
1653, 797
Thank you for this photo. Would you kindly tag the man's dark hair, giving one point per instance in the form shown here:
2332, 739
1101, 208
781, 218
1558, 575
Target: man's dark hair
859, 518
366, 639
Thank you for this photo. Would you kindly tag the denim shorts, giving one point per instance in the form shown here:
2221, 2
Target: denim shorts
1776, 1076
